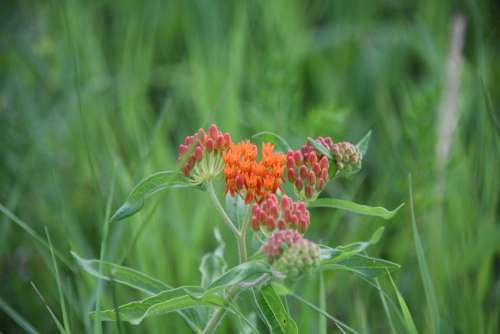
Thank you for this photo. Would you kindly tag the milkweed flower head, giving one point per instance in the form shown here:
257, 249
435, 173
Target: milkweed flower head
273, 214
291, 254
347, 158
201, 154
251, 179
307, 168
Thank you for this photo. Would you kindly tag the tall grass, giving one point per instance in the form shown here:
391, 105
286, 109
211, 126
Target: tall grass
96, 94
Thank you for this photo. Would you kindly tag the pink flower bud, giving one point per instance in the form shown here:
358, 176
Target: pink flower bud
213, 131
323, 162
198, 153
219, 142
303, 171
309, 191
316, 169
290, 162
210, 145
311, 178
299, 184
183, 149
291, 175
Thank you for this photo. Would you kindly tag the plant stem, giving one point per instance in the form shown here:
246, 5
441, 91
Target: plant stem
222, 212
241, 239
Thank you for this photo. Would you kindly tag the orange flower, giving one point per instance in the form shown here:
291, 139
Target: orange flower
253, 180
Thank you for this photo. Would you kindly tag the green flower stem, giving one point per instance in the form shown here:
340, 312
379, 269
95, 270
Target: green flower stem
220, 209
241, 238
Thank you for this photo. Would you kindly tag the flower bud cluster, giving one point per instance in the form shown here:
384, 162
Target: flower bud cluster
284, 214
278, 242
347, 158
307, 169
291, 254
205, 159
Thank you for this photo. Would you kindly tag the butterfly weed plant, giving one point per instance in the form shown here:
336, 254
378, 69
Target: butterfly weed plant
269, 196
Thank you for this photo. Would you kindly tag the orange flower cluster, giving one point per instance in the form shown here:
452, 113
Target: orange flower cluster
253, 180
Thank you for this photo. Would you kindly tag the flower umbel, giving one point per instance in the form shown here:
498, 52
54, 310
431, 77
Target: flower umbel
253, 180
347, 158
205, 160
291, 254
272, 214
307, 169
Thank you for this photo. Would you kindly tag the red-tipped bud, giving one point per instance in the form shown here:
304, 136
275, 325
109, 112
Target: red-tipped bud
311, 178
323, 162
309, 191
291, 175
281, 224
227, 140
219, 142
299, 184
298, 157
316, 169
198, 153
210, 145
213, 132
290, 162
303, 171
183, 149
286, 202
312, 158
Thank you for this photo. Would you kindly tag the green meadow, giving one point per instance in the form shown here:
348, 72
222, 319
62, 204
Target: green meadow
97, 95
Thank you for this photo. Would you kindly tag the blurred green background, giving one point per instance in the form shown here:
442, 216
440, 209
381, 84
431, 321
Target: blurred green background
98, 94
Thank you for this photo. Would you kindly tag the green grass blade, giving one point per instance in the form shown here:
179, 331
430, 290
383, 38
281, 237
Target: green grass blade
104, 244
408, 319
17, 318
59, 284
52, 314
423, 266
23, 225
335, 203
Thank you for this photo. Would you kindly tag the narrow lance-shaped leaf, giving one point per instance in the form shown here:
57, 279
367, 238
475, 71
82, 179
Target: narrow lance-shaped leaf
323, 150
376, 211
123, 275
363, 144
152, 184
365, 266
162, 303
274, 312
136, 280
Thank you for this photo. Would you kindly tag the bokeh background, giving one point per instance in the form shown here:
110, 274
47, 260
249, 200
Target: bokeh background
95, 95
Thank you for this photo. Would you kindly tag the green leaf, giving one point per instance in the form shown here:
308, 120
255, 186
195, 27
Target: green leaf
213, 264
376, 211
408, 319
150, 185
281, 140
245, 271
430, 294
349, 258
162, 303
342, 252
122, 275
362, 145
363, 265
317, 145
236, 209
274, 312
